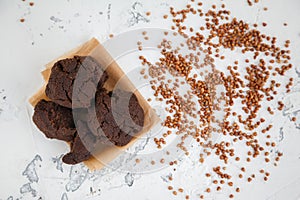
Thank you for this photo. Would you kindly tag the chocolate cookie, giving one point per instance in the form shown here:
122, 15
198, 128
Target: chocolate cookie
119, 116
54, 121
88, 74
102, 117
82, 146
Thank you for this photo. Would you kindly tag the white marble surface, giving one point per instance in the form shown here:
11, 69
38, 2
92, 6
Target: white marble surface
31, 167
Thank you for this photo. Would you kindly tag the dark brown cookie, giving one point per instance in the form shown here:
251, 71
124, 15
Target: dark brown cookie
54, 121
102, 117
119, 116
82, 146
88, 74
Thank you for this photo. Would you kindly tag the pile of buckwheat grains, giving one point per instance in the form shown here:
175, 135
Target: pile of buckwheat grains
238, 94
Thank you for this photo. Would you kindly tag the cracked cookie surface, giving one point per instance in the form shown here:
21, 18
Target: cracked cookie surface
55, 121
88, 74
119, 116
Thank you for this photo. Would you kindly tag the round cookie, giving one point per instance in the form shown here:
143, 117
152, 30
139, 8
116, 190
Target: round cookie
119, 116
61, 89
55, 121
